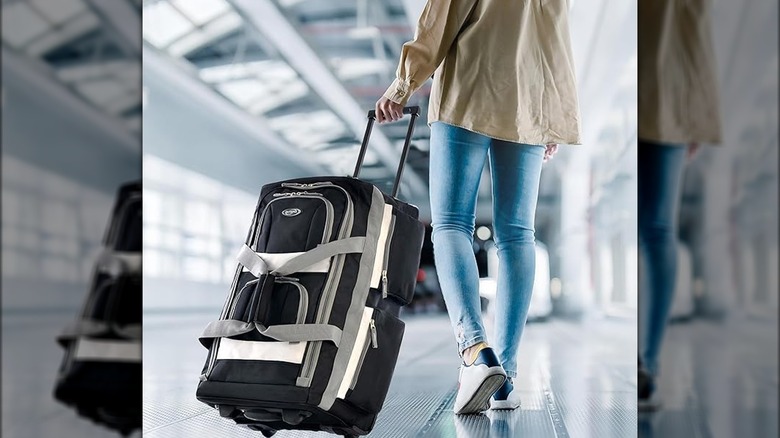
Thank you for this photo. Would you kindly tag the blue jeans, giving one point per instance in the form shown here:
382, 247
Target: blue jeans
659, 171
457, 158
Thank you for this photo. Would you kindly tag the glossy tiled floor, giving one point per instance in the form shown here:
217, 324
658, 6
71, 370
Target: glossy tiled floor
717, 380
30, 359
577, 380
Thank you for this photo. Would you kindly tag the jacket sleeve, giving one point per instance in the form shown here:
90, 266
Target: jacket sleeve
439, 25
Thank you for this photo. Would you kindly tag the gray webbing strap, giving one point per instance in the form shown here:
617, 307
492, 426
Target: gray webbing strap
130, 331
91, 327
257, 266
302, 332
322, 252
119, 262
283, 332
252, 261
223, 328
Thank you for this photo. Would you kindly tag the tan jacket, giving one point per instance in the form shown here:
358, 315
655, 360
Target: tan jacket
678, 91
503, 68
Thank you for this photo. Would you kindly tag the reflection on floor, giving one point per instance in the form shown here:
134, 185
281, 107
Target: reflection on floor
717, 380
30, 359
578, 381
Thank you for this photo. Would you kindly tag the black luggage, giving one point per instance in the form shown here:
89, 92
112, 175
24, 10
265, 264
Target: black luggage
309, 334
100, 374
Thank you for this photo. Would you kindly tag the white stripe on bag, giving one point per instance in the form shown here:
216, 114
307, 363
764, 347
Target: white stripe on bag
274, 260
104, 350
291, 352
357, 351
387, 217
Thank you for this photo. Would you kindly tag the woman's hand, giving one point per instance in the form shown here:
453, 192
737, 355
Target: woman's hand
549, 151
388, 111
693, 148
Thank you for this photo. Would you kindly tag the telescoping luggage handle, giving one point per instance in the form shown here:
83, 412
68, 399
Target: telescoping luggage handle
415, 112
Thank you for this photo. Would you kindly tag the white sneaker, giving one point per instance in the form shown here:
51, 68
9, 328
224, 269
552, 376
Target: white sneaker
507, 397
478, 382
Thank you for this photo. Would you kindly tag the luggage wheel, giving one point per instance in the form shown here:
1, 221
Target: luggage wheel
226, 411
266, 431
291, 417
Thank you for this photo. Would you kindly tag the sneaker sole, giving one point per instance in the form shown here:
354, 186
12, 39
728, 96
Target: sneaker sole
480, 401
503, 405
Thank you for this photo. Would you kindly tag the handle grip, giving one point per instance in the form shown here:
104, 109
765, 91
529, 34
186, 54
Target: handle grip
414, 111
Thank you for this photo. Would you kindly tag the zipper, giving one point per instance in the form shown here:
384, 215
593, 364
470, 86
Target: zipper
371, 340
294, 194
308, 185
386, 260
303, 300
382, 242
312, 354
372, 329
232, 311
326, 235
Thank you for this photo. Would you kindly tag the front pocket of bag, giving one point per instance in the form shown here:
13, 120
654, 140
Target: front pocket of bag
295, 224
287, 300
372, 363
258, 362
252, 357
403, 258
241, 300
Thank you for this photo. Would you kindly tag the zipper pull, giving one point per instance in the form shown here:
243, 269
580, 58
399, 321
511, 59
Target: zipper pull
372, 327
384, 284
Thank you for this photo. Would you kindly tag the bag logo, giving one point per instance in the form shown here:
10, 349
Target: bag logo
290, 212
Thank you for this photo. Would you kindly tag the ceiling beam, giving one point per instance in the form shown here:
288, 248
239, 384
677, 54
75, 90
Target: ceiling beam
124, 20
206, 97
41, 78
268, 19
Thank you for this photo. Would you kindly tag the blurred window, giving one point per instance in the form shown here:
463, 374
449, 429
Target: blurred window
52, 226
193, 225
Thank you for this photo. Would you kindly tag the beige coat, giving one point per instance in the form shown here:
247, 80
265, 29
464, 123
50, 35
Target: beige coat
503, 68
678, 92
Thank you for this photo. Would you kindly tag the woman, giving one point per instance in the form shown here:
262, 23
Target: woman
504, 88
679, 108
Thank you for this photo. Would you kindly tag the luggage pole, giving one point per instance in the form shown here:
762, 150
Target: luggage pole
414, 111
364, 145
404, 154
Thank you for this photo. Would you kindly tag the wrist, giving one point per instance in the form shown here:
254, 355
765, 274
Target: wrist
398, 92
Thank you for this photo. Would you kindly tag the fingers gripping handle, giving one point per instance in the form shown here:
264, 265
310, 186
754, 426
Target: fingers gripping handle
414, 111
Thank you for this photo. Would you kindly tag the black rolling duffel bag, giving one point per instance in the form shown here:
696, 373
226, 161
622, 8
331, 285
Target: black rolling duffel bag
100, 374
309, 334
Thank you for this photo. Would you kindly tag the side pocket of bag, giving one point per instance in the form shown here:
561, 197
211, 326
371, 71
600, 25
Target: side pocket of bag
403, 258
373, 361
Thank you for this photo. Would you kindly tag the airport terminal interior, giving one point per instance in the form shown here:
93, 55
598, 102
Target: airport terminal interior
239, 93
